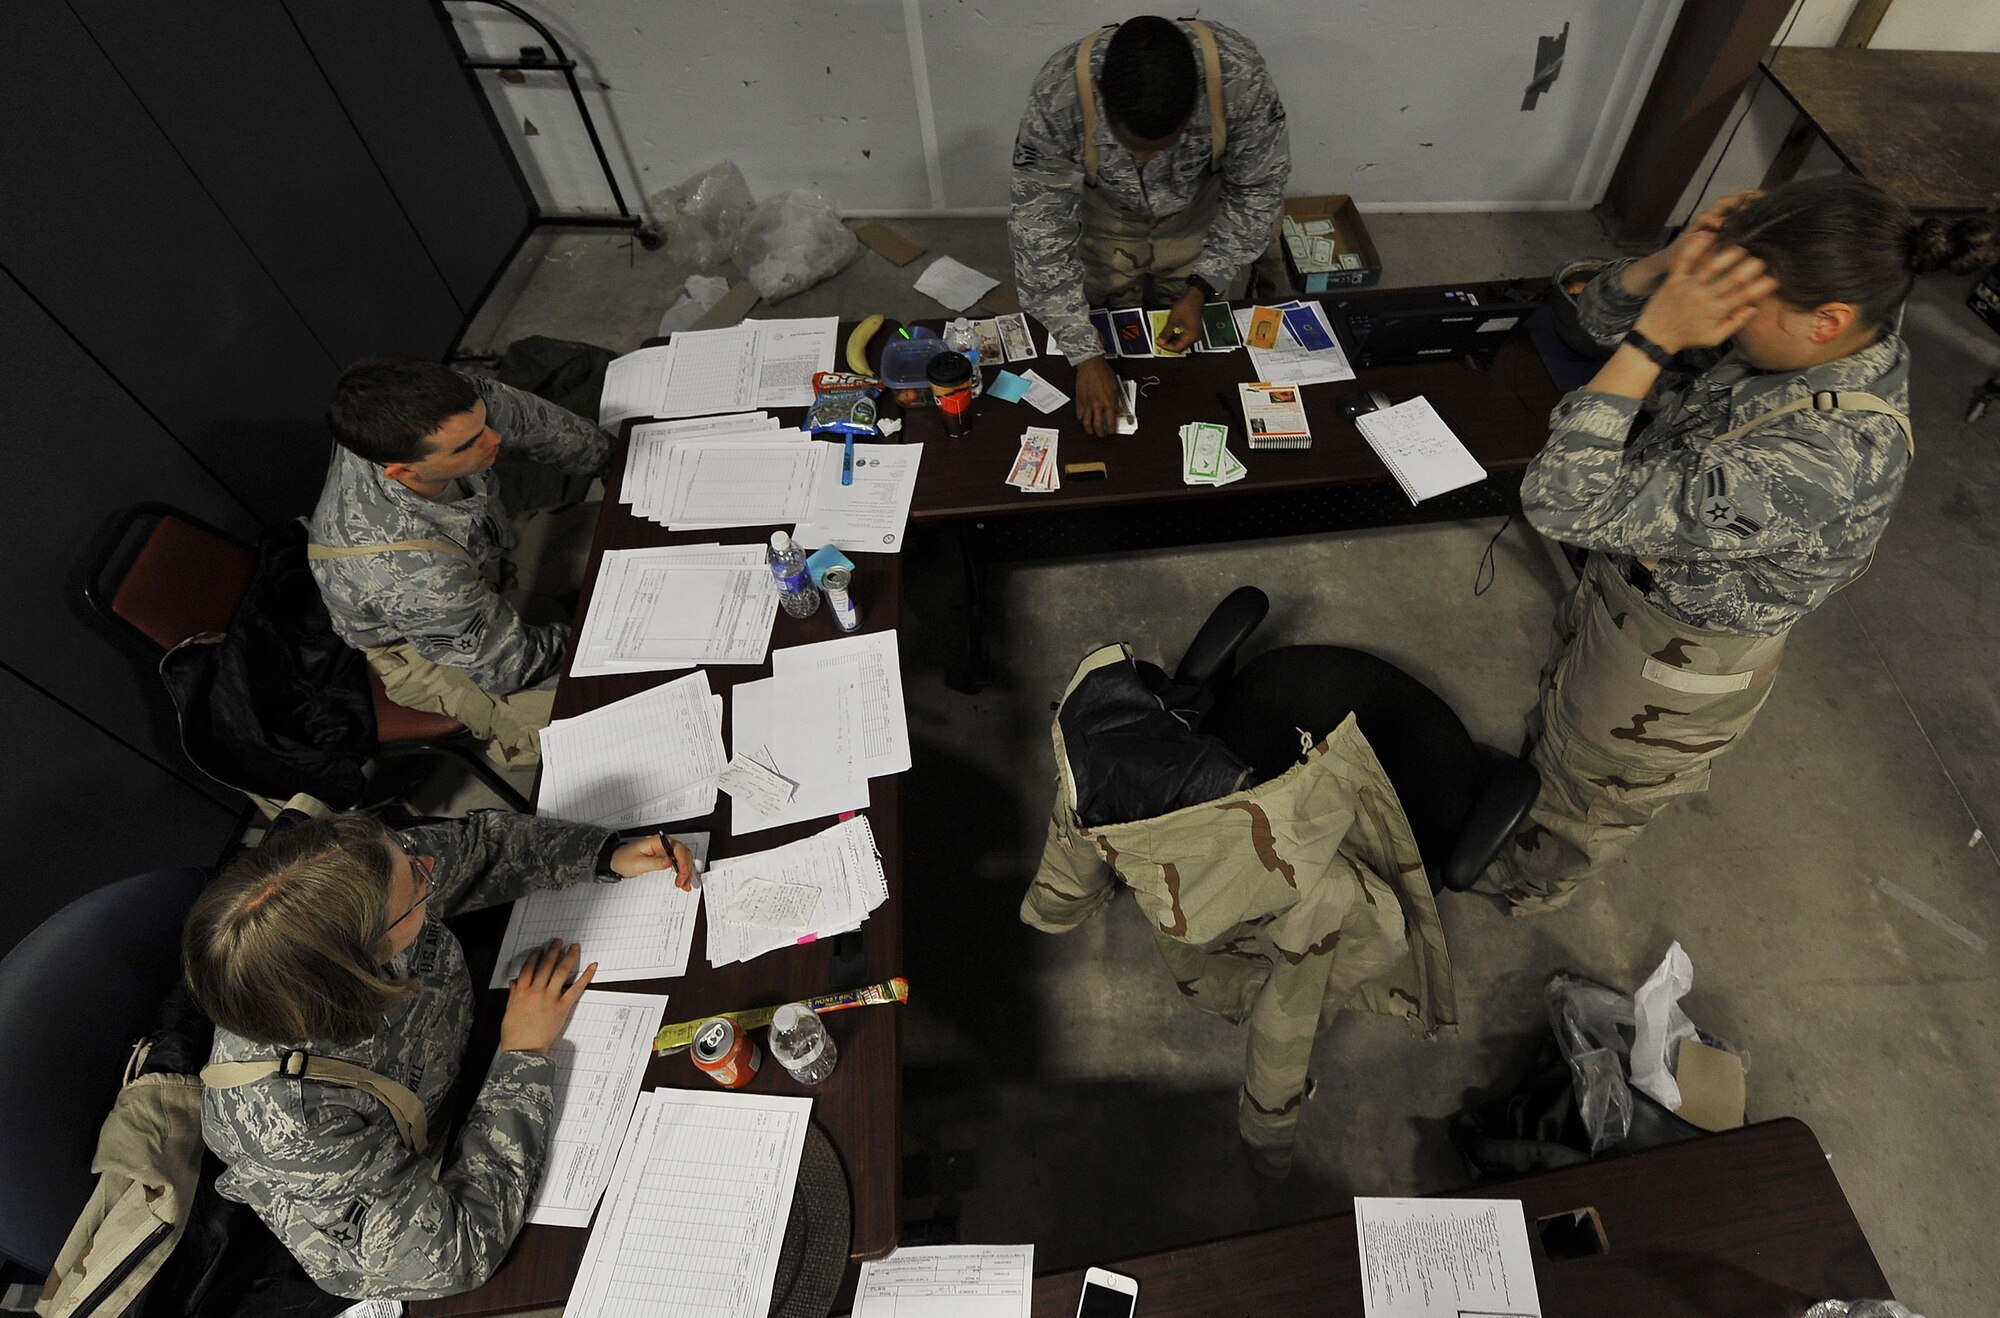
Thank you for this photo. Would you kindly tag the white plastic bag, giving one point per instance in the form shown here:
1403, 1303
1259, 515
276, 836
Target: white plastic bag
1658, 1026
703, 292
791, 242
703, 215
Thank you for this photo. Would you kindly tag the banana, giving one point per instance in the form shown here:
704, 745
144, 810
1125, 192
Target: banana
857, 345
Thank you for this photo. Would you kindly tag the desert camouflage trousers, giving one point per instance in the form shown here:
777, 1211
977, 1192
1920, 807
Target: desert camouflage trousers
511, 726
1635, 706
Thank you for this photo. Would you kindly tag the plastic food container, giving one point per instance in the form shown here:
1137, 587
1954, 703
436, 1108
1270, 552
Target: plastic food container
904, 366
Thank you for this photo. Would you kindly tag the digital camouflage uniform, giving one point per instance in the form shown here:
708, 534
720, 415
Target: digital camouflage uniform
1077, 246
324, 1166
1279, 906
1733, 542
439, 627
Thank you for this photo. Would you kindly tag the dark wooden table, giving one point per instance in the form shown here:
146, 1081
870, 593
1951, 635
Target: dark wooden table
1923, 124
1501, 413
859, 1106
1749, 1224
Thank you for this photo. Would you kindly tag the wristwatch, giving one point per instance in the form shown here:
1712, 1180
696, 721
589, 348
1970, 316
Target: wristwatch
1208, 289
1659, 356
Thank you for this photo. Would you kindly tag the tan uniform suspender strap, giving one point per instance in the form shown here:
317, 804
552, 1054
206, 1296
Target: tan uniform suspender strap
403, 1105
355, 551
1831, 400
1826, 400
1086, 97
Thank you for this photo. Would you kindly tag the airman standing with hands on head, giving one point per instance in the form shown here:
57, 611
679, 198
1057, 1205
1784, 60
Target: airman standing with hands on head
1148, 171
1762, 349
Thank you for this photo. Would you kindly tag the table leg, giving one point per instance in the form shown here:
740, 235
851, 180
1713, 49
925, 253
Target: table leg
978, 672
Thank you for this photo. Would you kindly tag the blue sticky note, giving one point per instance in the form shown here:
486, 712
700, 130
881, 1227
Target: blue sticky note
1007, 387
822, 559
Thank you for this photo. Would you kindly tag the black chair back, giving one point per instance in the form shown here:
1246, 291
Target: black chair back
1433, 763
74, 996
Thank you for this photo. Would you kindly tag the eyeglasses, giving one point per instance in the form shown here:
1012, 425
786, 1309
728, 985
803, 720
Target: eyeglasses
424, 866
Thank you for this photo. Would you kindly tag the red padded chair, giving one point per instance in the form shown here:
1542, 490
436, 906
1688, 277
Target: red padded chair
160, 576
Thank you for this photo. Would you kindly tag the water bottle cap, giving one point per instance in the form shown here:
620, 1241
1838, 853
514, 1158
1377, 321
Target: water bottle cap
781, 540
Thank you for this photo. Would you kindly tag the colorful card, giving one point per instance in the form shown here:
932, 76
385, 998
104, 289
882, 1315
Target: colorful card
1134, 338
1218, 328
1015, 338
1264, 322
991, 351
1306, 330
1158, 321
1007, 387
1100, 320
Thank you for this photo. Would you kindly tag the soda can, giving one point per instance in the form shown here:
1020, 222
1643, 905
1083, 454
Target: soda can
726, 1054
838, 584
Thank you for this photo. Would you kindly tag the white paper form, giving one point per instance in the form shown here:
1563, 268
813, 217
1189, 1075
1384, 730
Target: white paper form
637, 928
788, 353
948, 1281
615, 762
1445, 1258
869, 516
841, 862
653, 610
738, 483
1290, 362
710, 371
600, 1062
696, 1210
953, 283
1419, 449
633, 385
647, 451
885, 728
809, 725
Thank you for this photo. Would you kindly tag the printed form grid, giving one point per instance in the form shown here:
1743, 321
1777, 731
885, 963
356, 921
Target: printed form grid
701, 1228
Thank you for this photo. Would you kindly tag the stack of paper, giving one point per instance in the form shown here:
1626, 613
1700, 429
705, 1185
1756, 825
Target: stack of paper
808, 726
760, 363
709, 481
813, 888
653, 610
1205, 455
873, 663
1445, 1258
600, 1060
1274, 415
695, 1213
1419, 449
640, 928
1036, 468
647, 759
1316, 358
948, 1281
648, 449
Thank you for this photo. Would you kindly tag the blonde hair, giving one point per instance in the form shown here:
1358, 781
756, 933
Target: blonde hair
284, 947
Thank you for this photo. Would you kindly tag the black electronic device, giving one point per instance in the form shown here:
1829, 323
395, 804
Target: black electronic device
1362, 402
1469, 322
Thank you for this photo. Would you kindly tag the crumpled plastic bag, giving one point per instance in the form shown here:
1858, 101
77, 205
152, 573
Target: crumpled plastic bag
1860, 1309
1659, 1025
703, 292
791, 242
702, 216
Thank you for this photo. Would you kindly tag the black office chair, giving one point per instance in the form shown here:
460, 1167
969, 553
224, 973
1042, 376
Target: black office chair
157, 576
1463, 800
74, 996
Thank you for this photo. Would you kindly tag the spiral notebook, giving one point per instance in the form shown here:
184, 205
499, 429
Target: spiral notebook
1419, 449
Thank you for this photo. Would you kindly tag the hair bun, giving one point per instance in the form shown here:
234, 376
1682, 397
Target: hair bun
1960, 246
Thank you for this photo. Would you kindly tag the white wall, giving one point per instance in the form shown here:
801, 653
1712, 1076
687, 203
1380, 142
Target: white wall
1404, 104
1765, 116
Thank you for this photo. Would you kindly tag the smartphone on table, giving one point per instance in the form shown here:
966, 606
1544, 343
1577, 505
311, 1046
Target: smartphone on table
1107, 1295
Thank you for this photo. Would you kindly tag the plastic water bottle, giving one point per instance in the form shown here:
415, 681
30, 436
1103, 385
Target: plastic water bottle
788, 564
961, 338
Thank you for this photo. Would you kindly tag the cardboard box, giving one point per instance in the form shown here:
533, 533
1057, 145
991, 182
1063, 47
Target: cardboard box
1350, 236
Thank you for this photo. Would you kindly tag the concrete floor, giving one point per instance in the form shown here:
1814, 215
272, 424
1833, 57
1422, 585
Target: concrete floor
1832, 890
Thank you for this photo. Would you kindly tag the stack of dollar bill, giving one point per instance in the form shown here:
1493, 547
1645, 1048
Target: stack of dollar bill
1205, 455
1035, 466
